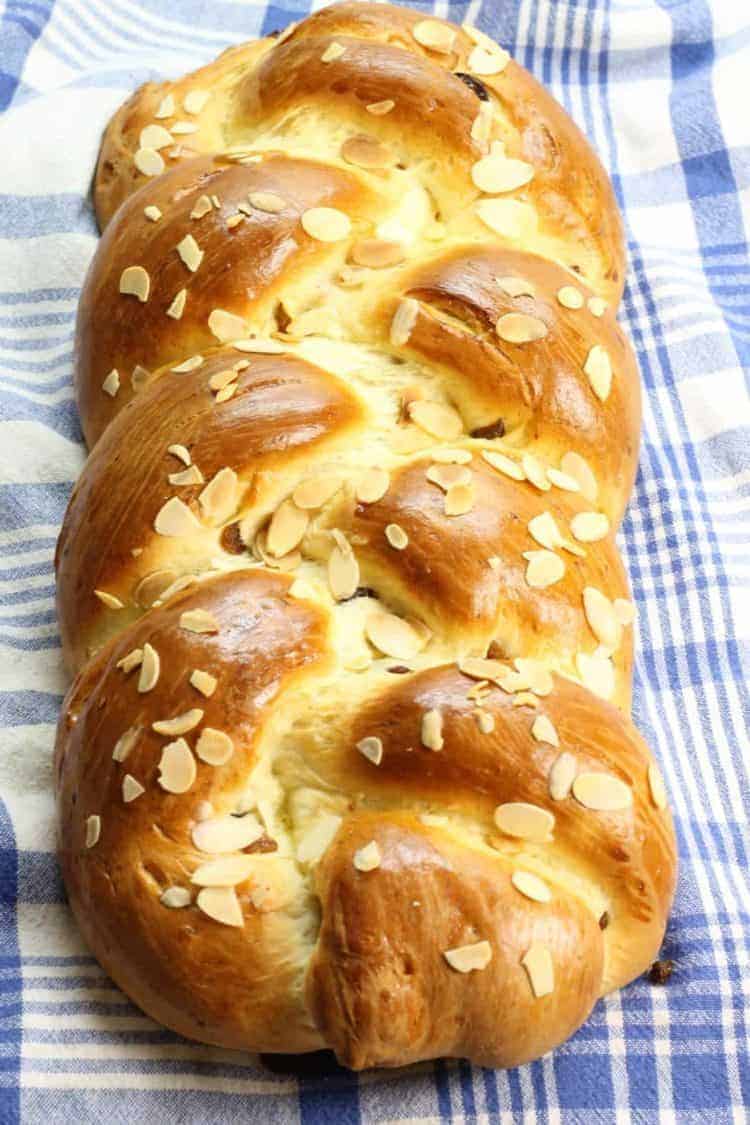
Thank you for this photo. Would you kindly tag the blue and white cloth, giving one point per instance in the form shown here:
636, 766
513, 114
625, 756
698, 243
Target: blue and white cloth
662, 88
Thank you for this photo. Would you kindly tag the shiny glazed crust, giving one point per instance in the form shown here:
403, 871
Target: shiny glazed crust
347, 760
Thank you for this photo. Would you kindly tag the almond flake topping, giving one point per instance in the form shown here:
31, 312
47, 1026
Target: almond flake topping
225, 872
111, 384
575, 466
326, 224
561, 776
503, 464
150, 668
220, 497
485, 721
543, 730
175, 898
380, 109
221, 379
201, 207
477, 668
624, 611
518, 328
343, 570
195, 100
510, 218
487, 63
222, 905
403, 321
267, 201
191, 475
447, 475
376, 253
109, 600
177, 306
190, 253
149, 162
393, 636
165, 108
226, 833
570, 297
177, 769
531, 886
563, 481
125, 744
436, 419
198, 621
597, 306
372, 749
602, 792
544, 569
544, 531
459, 499
316, 491
396, 536
598, 367
589, 527
535, 472
135, 282
499, 173
656, 787
597, 673
188, 365
372, 486
214, 747
469, 958
601, 617
175, 519
152, 213
131, 788
203, 682
516, 286
537, 962
432, 730
93, 830
332, 52
525, 821
316, 839
368, 857
182, 128
180, 724
286, 529
226, 393
226, 326
155, 136
435, 36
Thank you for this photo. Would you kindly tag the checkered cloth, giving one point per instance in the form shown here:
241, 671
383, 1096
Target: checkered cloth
661, 88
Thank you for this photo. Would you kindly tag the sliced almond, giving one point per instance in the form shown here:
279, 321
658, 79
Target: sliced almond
175, 519
487, 63
570, 297
597, 673
368, 857
575, 466
226, 326
109, 600
175, 898
403, 321
165, 107
190, 364
149, 162
225, 872
155, 136
343, 572
332, 52
432, 730
366, 152
93, 830
516, 286
177, 769
226, 393
544, 531
214, 747
563, 481
478, 668
372, 749
602, 792
190, 476
180, 724
326, 224
259, 345
561, 776
497, 173
221, 834
198, 621
181, 129
317, 839
544, 568
376, 253
286, 529
150, 668
434, 35
131, 789
190, 252
524, 821
485, 721
503, 464
535, 472
459, 499
111, 384
589, 527
537, 961
601, 617
531, 886
446, 476
203, 682
177, 306
201, 207
510, 218
267, 201
125, 744
436, 419
624, 611
519, 328
543, 730
393, 636
135, 282
598, 367
220, 497
597, 307
469, 958
396, 536
316, 491
380, 109
656, 787
221, 904
195, 100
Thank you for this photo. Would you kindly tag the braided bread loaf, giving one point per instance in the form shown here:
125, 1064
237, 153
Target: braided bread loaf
348, 761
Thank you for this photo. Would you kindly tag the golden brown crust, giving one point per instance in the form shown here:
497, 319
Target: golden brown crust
347, 761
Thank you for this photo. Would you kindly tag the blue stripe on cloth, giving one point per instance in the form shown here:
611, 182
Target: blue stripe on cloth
10, 1012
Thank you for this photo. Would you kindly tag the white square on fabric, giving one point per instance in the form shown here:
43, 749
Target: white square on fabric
729, 78
642, 124
710, 400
